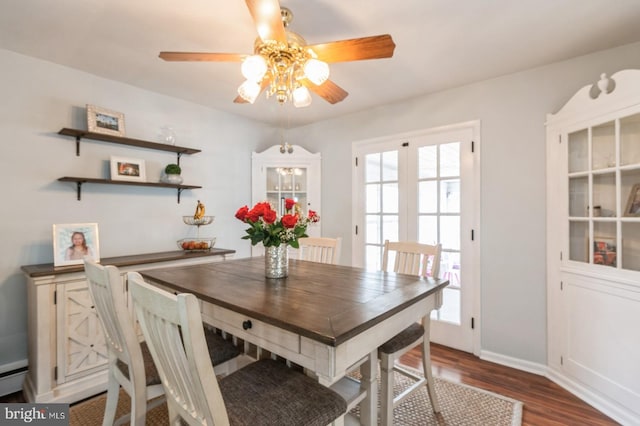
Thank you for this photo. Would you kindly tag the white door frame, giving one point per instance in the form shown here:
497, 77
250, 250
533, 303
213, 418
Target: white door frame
469, 223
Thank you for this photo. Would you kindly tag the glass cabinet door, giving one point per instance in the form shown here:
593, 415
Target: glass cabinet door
287, 182
604, 194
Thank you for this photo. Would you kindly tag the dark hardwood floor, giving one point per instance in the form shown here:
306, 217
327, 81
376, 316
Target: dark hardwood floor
545, 403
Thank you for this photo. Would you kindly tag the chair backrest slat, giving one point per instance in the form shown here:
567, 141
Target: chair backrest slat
413, 258
319, 249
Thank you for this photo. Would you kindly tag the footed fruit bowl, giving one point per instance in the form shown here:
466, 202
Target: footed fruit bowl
196, 244
204, 220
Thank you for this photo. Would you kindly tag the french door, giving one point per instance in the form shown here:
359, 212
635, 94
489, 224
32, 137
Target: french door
425, 187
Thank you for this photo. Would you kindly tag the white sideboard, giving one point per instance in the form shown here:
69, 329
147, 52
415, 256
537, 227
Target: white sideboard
66, 349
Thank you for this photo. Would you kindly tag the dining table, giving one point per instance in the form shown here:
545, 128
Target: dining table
325, 318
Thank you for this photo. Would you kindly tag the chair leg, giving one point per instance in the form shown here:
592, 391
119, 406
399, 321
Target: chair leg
113, 391
386, 390
426, 365
138, 406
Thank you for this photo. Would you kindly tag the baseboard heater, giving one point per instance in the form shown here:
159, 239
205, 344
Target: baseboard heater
11, 380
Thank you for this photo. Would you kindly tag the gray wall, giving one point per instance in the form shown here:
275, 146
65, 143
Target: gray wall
512, 110
39, 98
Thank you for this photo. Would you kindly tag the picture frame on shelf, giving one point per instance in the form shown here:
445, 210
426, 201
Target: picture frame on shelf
105, 121
605, 251
73, 241
128, 169
633, 202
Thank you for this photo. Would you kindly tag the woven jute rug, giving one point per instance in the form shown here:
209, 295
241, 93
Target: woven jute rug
460, 405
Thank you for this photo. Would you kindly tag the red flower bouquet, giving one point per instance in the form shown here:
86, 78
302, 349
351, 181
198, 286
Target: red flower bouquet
265, 227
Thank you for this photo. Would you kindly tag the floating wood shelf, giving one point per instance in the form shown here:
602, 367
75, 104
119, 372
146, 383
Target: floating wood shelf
80, 180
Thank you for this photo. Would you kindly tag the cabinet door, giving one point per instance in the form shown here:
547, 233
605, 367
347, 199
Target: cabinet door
81, 347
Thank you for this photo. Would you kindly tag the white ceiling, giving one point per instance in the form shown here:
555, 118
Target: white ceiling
439, 43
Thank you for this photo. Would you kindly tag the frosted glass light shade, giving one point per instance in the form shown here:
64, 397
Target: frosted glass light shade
254, 67
316, 71
301, 97
249, 91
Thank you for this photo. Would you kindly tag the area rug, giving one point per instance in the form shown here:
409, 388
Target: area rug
460, 405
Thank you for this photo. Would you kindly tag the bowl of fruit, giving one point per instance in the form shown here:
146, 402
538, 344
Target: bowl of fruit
196, 244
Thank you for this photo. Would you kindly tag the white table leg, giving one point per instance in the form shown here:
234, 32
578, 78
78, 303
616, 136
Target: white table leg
369, 381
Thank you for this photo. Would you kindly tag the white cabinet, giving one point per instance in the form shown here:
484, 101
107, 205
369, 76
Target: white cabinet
66, 349
276, 176
593, 245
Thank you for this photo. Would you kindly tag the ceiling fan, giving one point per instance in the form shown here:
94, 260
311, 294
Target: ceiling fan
284, 65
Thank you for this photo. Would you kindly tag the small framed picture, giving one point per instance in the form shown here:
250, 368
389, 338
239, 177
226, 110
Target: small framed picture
604, 251
101, 120
633, 203
131, 169
73, 241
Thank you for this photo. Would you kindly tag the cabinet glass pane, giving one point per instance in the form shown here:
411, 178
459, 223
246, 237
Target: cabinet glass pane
578, 241
603, 146
629, 192
604, 244
604, 195
578, 151
578, 197
630, 140
631, 246
273, 179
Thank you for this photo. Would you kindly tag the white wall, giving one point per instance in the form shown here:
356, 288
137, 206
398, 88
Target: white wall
512, 110
38, 99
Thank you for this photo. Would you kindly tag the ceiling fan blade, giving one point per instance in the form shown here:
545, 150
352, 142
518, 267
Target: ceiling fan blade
356, 49
328, 90
268, 19
201, 56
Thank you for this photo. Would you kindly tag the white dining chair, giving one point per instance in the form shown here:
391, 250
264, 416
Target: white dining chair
320, 249
130, 363
265, 392
420, 260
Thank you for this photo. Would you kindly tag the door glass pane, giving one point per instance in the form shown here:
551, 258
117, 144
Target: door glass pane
428, 196
578, 151
603, 146
450, 232
390, 198
450, 310
390, 165
427, 162
450, 196
578, 197
578, 241
450, 268
373, 201
450, 159
390, 228
428, 229
372, 168
373, 257
373, 230
630, 140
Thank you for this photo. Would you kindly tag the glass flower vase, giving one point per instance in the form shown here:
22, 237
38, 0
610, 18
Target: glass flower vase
276, 261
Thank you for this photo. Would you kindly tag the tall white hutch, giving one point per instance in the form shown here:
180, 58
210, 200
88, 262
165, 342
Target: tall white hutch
593, 245
278, 175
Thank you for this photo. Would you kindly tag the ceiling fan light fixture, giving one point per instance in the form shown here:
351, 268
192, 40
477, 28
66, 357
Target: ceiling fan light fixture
249, 91
301, 97
316, 71
254, 68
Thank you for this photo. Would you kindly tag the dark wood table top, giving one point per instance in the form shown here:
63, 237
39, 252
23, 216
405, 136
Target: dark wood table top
326, 303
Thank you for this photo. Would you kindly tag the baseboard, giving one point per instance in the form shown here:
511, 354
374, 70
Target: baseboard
518, 364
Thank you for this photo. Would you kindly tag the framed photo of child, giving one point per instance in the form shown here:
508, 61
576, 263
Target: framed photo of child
73, 241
